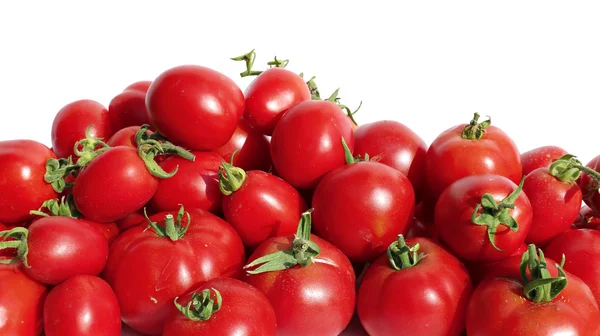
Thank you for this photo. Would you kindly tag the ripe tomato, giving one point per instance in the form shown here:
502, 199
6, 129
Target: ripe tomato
416, 288
310, 283
128, 108
472, 149
194, 106
222, 306
590, 185
72, 121
307, 142
392, 143
187, 248
82, 305
479, 270
423, 222
110, 230
21, 301
22, 186
142, 86
587, 219
125, 137
540, 157
7, 252
132, 220
253, 149
483, 217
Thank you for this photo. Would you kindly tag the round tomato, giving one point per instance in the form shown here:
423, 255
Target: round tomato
479, 270
472, 149
423, 222
142, 86
590, 183
195, 107
132, 220
251, 149
222, 306
128, 108
82, 305
125, 137
540, 157
416, 288
587, 219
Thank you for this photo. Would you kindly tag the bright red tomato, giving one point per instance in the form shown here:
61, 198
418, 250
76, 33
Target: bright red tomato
479, 270
233, 307
7, 252
82, 305
307, 142
472, 149
540, 157
417, 288
139, 86
128, 108
195, 107
392, 143
73, 120
132, 220
125, 137
589, 186
181, 259
423, 222
253, 149
483, 217
587, 219
110, 230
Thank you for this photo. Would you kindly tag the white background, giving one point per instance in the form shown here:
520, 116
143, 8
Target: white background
534, 66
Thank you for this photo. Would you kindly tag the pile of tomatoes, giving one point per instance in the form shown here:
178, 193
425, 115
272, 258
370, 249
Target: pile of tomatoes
190, 207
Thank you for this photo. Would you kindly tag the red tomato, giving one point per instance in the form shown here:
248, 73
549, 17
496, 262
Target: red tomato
392, 143
128, 108
142, 86
146, 286
253, 149
540, 157
307, 142
423, 222
417, 288
195, 107
131, 220
124, 137
21, 302
110, 230
72, 121
479, 270
82, 305
22, 186
483, 217
473, 149
270, 95
233, 307
6, 252
312, 290
589, 186
587, 219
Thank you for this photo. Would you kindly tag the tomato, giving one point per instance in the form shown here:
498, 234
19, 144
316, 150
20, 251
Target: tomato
186, 248
132, 220
142, 86
472, 149
195, 107
253, 149
307, 142
423, 222
587, 219
504, 305
125, 137
82, 305
540, 157
22, 186
72, 121
483, 217
110, 230
21, 302
392, 143
259, 205
589, 184
7, 252
479, 270
232, 307
416, 288
312, 289
128, 108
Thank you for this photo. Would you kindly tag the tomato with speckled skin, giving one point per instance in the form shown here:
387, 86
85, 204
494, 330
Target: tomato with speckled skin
587, 185
253, 149
540, 157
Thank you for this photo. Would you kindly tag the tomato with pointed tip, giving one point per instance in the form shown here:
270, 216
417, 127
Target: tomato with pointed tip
589, 185
252, 149
540, 157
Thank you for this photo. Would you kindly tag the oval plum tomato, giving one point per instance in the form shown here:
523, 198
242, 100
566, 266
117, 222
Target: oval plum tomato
72, 121
82, 305
540, 157
128, 108
187, 248
310, 283
393, 144
587, 219
142, 86
21, 301
472, 149
416, 288
483, 217
259, 205
252, 149
195, 107
222, 306
22, 186
590, 184
546, 301
307, 142
125, 137
56, 248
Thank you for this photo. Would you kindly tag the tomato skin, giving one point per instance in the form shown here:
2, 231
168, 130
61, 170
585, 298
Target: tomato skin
142, 86
315, 300
82, 305
429, 298
307, 142
587, 219
591, 197
22, 186
113, 185
146, 286
254, 152
128, 108
124, 137
71, 122
479, 270
265, 206
555, 205
244, 308
540, 157
110, 230
270, 95
195, 107
392, 143
469, 241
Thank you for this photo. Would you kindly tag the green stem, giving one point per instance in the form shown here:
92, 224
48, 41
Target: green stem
230, 178
20, 236
173, 227
64, 207
542, 287
475, 130
202, 306
402, 256
149, 149
350, 158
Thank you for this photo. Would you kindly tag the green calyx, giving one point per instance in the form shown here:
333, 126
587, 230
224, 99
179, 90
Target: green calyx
335, 99
149, 147
87, 149
249, 59
401, 256
20, 235
202, 306
475, 129
302, 252
541, 287
231, 178
350, 158
64, 207
568, 169
496, 214
173, 227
